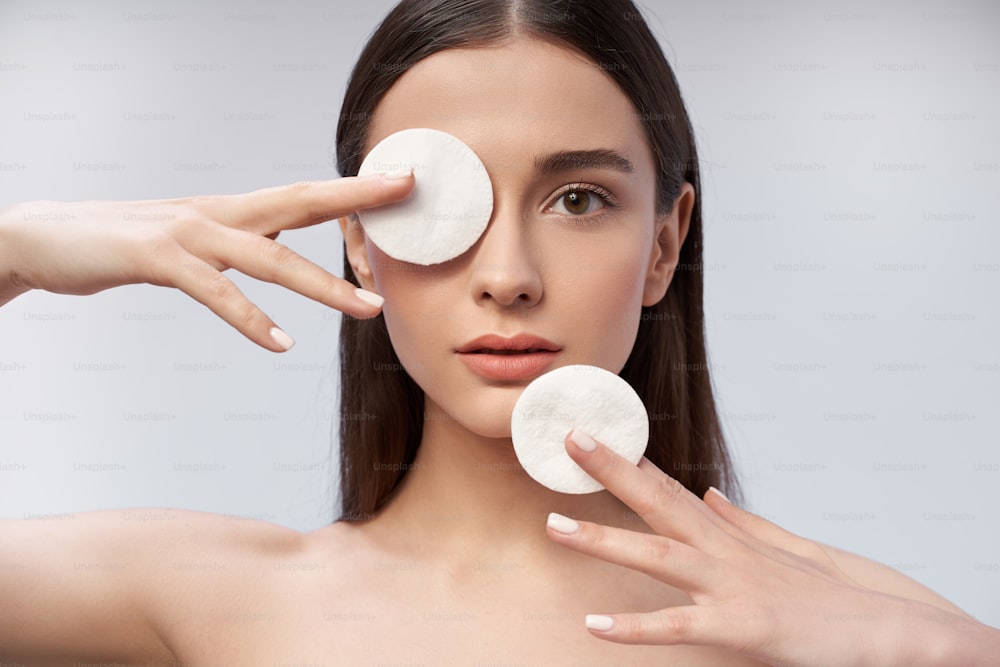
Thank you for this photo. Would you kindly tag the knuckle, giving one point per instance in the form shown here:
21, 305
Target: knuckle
220, 287
678, 625
280, 257
633, 627
303, 192
657, 549
667, 626
665, 492
596, 536
378, 189
161, 262
176, 223
249, 316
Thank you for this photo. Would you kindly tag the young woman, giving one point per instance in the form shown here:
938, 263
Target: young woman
448, 553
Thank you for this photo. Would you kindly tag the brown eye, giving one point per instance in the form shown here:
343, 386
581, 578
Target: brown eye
579, 202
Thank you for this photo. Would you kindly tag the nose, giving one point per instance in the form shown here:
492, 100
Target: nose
504, 269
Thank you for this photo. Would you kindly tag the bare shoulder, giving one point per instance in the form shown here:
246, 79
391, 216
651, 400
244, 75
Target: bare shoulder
235, 588
195, 554
123, 582
223, 530
179, 541
342, 546
883, 578
217, 550
222, 554
229, 586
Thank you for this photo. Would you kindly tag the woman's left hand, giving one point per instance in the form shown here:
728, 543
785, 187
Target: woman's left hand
757, 589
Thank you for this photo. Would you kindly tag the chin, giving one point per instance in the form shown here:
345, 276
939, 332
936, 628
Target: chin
496, 431
489, 426
483, 422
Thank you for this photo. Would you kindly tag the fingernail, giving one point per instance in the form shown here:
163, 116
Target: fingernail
369, 297
582, 440
397, 175
282, 339
712, 488
562, 524
598, 622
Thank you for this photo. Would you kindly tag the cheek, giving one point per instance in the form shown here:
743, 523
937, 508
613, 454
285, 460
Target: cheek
401, 284
417, 304
599, 283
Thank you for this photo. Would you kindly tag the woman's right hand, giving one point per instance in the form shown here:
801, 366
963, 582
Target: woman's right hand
86, 247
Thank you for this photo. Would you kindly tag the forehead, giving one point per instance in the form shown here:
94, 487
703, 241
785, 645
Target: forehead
513, 101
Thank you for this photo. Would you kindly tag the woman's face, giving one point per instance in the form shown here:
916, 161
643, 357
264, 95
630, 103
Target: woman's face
574, 247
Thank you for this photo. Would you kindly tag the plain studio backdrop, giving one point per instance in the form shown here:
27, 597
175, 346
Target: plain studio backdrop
851, 183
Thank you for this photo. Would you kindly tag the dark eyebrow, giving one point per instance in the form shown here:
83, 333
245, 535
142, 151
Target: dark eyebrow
600, 158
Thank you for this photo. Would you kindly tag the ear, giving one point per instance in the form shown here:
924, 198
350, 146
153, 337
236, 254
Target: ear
357, 252
671, 230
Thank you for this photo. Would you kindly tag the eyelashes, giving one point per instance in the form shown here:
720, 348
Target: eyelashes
582, 200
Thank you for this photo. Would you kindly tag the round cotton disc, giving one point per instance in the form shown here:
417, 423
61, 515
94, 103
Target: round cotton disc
450, 205
588, 398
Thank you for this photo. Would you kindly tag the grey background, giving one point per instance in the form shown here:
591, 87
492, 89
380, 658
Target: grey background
851, 156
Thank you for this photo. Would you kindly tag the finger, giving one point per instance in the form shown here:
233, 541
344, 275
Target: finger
662, 502
303, 204
662, 558
688, 624
734, 531
206, 285
763, 530
755, 525
261, 258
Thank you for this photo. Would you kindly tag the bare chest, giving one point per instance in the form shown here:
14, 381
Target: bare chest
437, 637
406, 619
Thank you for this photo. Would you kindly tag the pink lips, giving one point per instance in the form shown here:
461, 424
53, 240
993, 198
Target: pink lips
521, 357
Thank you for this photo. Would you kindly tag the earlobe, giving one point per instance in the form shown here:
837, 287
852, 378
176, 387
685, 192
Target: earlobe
671, 230
357, 253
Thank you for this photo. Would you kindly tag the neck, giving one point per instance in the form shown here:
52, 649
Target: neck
469, 493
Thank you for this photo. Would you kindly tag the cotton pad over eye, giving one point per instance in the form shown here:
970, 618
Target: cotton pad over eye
588, 398
450, 205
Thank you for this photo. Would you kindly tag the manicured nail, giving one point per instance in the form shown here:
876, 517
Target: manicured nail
582, 440
397, 175
599, 623
712, 488
282, 339
369, 297
562, 524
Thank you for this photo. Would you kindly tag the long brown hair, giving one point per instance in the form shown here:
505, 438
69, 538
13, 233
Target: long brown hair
381, 406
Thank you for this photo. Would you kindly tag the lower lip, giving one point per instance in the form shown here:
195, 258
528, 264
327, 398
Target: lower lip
508, 366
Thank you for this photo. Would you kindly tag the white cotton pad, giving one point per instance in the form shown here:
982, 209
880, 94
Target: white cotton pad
450, 205
588, 398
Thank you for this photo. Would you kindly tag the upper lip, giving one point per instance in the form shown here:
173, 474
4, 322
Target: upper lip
522, 341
